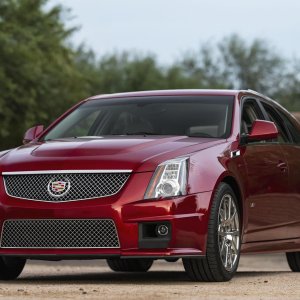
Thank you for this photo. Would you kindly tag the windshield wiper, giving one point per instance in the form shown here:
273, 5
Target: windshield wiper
61, 138
77, 137
200, 134
142, 133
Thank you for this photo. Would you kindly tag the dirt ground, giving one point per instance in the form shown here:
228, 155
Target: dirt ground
258, 277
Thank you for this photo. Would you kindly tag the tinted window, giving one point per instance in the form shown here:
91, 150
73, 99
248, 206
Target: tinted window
84, 122
294, 131
283, 136
201, 116
251, 112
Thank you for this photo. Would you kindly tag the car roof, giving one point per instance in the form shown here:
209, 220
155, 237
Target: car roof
180, 92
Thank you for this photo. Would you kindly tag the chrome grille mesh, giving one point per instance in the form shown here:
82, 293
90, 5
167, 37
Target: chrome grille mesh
82, 185
58, 233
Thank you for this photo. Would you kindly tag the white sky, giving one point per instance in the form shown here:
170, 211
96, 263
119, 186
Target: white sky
168, 28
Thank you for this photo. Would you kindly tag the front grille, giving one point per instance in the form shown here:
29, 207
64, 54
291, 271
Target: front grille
57, 233
67, 186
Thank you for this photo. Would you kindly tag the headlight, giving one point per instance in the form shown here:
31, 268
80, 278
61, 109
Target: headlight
169, 179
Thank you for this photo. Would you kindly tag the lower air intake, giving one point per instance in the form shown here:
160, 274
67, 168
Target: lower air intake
57, 233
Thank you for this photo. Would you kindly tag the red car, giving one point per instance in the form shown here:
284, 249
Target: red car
201, 175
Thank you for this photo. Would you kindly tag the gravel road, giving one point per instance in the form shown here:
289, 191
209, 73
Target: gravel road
258, 277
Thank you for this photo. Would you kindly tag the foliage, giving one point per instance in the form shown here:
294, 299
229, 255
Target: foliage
41, 74
38, 75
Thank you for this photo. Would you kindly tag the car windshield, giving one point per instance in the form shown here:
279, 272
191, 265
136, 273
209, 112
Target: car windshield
195, 116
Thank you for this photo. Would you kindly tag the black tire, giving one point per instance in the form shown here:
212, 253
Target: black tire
293, 259
210, 268
130, 264
11, 267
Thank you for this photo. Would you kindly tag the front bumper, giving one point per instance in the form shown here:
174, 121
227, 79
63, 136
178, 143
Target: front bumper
187, 216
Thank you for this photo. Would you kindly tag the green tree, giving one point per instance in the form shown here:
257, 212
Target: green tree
41, 74
38, 73
288, 92
236, 63
203, 69
240, 64
129, 72
251, 65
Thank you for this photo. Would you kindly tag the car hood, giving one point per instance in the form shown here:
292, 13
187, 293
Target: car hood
138, 154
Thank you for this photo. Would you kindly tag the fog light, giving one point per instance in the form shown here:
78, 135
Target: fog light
162, 230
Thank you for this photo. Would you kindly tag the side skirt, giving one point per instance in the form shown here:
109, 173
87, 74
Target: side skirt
289, 245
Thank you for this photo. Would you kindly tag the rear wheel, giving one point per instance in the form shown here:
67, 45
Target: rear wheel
293, 259
130, 264
223, 240
11, 267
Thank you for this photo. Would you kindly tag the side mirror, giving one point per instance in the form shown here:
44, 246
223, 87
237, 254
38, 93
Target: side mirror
263, 130
32, 133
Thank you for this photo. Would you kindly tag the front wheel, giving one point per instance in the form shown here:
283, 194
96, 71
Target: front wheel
293, 259
11, 267
223, 240
130, 264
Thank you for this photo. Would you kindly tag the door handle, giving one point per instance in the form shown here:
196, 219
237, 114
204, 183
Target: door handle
282, 166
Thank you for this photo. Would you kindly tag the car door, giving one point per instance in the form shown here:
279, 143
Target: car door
267, 181
291, 151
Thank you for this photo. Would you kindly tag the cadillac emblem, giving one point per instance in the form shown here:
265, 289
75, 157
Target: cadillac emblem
58, 188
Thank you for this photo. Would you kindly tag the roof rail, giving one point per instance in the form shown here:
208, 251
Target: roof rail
260, 94
254, 92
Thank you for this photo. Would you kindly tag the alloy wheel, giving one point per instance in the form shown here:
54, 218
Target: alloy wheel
228, 232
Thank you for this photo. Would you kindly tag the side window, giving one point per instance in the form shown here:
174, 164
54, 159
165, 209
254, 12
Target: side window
251, 112
283, 136
293, 129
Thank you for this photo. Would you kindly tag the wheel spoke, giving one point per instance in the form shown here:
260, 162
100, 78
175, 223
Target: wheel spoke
229, 209
222, 233
222, 215
228, 232
233, 246
230, 257
234, 233
219, 228
226, 257
233, 216
230, 219
222, 246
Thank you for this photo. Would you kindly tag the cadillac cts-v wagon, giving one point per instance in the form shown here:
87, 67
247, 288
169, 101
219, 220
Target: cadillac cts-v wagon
197, 175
